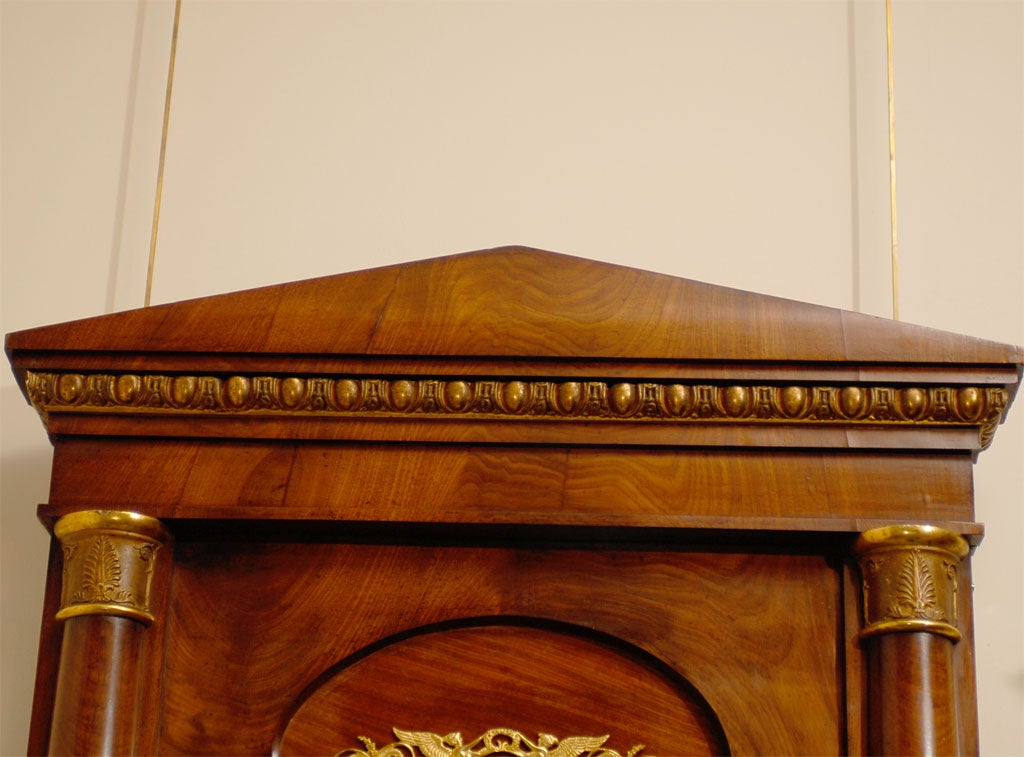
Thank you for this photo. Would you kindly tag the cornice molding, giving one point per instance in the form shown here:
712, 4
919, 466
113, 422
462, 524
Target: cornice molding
517, 399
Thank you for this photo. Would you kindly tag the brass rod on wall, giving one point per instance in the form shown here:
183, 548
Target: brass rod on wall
163, 153
892, 165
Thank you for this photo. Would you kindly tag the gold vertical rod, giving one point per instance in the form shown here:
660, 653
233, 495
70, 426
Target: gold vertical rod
892, 165
163, 154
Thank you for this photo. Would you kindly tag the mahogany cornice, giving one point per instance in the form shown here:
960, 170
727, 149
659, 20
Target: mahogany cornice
516, 345
570, 400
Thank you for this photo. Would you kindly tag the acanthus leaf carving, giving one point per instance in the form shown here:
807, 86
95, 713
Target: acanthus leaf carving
915, 593
101, 573
909, 579
109, 562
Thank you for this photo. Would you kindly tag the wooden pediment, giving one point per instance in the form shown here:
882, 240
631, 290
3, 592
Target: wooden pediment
512, 302
521, 346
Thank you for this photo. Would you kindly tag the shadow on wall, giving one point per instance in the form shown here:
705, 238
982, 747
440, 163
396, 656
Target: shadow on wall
24, 483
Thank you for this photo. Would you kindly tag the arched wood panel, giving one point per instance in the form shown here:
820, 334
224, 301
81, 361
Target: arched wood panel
560, 681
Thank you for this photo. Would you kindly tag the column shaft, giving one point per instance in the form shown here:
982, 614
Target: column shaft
911, 705
110, 559
97, 688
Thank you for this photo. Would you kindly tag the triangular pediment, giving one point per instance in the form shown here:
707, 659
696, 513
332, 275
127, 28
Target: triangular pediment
516, 345
512, 302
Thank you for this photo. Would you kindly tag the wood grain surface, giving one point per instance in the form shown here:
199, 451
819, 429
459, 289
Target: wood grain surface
673, 579
568, 486
513, 301
912, 703
95, 710
534, 680
755, 635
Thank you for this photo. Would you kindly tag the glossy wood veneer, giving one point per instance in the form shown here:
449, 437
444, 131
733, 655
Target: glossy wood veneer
570, 486
721, 621
339, 569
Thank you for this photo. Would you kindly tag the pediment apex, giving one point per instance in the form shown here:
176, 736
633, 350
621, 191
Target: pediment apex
512, 302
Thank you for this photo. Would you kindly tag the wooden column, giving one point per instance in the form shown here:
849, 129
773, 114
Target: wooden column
110, 559
909, 576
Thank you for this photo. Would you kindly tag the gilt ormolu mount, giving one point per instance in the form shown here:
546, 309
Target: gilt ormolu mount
567, 504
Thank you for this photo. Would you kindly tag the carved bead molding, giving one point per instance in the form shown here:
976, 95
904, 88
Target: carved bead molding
909, 576
109, 559
509, 399
500, 741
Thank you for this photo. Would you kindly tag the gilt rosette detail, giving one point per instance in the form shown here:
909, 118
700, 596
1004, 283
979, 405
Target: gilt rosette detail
497, 741
910, 579
109, 561
565, 399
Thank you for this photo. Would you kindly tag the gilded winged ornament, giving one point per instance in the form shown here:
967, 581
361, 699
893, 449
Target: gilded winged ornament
503, 742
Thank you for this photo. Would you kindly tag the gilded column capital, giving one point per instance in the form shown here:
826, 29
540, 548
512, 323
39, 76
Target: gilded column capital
909, 579
109, 561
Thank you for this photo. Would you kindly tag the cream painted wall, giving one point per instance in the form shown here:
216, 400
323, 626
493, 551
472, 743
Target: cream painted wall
738, 143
